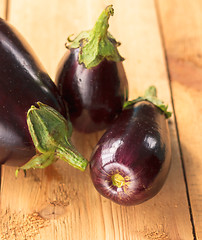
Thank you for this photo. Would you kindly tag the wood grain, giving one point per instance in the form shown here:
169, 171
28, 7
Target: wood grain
3, 4
183, 41
60, 202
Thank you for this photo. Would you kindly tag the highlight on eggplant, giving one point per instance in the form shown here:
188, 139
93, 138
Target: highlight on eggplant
91, 77
23, 82
132, 159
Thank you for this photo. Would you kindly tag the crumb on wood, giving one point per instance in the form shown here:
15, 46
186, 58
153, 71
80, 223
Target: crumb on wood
155, 235
19, 226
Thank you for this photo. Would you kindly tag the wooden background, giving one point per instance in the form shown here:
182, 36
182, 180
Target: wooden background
162, 44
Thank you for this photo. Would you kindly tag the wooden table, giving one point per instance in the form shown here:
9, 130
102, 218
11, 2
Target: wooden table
162, 45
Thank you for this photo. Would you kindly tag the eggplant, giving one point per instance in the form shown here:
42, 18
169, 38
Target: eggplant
91, 77
132, 159
24, 82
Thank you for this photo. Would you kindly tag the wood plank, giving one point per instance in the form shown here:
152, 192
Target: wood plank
182, 33
60, 202
3, 8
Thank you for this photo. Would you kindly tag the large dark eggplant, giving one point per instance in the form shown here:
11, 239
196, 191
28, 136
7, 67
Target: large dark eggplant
23, 82
91, 77
132, 159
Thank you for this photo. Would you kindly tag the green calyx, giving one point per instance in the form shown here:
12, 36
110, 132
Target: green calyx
97, 44
51, 134
151, 96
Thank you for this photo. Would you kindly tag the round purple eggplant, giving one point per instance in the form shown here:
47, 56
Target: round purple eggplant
24, 82
132, 159
91, 77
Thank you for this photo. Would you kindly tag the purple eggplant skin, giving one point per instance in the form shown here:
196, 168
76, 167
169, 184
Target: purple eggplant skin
95, 96
23, 83
132, 159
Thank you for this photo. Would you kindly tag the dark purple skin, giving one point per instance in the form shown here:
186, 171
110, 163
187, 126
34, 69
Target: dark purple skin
95, 96
136, 146
23, 83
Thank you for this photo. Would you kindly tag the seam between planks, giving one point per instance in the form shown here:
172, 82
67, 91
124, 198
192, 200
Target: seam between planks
7, 9
175, 119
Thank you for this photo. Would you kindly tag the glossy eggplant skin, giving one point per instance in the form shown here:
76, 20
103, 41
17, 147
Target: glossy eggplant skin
95, 96
137, 148
23, 83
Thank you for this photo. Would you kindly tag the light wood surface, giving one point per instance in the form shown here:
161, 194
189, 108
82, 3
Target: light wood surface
183, 41
60, 202
3, 8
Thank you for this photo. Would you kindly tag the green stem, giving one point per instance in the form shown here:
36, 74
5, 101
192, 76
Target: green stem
101, 26
97, 44
151, 96
150, 92
72, 157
